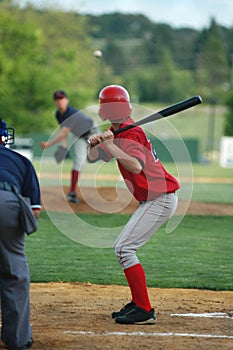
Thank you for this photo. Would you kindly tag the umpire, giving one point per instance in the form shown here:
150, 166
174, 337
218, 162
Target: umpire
15, 170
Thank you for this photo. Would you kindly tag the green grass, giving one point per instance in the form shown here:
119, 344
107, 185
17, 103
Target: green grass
197, 255
213, 193
210, 170
213, 170
206, 192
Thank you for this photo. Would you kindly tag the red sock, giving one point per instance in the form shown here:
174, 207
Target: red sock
136, 278
74, 180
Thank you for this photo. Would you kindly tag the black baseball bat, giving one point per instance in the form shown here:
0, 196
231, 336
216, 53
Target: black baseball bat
176, 108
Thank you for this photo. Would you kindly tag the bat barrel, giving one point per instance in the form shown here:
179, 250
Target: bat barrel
176, 108
181, 106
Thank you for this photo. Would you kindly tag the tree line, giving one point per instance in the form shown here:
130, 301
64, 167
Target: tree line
45, 50
161, 62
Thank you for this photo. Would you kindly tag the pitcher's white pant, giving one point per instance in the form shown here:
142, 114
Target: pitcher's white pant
145, 221
80, 149
80, 153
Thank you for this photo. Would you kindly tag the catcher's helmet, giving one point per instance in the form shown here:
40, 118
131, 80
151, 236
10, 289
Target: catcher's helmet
114, 103
7, 135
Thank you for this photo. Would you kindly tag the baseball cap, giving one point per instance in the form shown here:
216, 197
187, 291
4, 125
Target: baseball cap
59, 94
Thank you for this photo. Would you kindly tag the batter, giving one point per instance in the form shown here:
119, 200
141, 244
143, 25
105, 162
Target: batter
151, 185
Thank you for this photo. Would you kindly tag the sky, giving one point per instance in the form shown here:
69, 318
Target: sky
195, 14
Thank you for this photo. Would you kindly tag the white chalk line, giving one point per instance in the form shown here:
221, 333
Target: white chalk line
207, 314
149, 334
168, 334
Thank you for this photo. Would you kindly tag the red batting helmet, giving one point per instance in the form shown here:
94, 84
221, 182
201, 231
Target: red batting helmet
114, 103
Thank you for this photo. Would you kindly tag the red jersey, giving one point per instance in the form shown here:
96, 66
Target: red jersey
153, 180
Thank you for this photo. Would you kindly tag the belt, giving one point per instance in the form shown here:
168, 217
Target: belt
141, 202
5, 186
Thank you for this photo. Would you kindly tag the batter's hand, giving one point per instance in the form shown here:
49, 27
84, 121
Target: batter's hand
96, 139
107, 136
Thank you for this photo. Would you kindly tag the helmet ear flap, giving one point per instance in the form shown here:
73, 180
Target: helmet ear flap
7, 134
3, 128
5, 131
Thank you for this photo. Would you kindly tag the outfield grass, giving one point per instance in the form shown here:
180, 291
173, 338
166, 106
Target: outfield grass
213, 169
216, 191
197, 255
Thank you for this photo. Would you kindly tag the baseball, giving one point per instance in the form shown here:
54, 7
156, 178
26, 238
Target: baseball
98, 53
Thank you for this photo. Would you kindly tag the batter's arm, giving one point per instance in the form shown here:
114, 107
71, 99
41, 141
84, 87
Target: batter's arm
128, 162
93, 155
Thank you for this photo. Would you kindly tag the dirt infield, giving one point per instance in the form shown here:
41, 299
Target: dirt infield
78, 316
55, 202
75, 316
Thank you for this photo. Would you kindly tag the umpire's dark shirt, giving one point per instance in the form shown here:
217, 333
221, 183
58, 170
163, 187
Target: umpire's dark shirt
18, 170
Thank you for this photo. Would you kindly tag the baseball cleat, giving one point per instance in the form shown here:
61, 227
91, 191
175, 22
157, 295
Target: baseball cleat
124, 310
71, 197
137, 315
